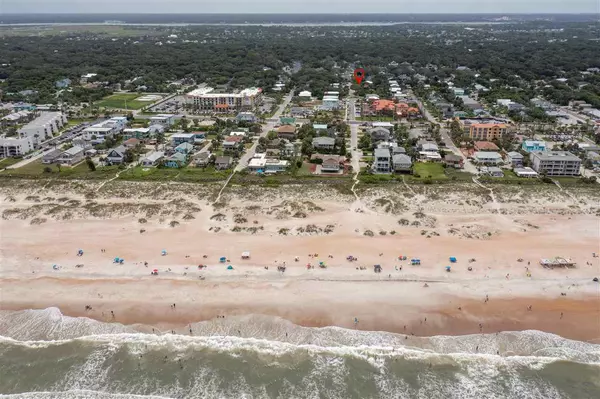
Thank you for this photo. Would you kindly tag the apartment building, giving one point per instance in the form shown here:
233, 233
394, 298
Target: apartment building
43, 127
205, 99
486, 131
15, 147
556, 163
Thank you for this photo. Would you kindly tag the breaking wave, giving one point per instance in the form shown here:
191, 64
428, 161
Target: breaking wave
44, 354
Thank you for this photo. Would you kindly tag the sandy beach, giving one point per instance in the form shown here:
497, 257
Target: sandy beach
500, 235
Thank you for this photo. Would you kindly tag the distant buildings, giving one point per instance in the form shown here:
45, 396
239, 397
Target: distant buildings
206, 100
556, 163
15, 147
246, 117
165, 120
61, 84
96, 134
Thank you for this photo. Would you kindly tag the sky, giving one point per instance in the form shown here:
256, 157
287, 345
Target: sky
299, 6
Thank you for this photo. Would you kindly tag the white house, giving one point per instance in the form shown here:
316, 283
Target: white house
163, 119
323, 143
305, 94
152, 159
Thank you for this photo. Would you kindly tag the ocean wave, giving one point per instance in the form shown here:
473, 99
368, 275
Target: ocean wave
78, 394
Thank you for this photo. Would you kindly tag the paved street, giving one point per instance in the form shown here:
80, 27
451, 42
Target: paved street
270, 125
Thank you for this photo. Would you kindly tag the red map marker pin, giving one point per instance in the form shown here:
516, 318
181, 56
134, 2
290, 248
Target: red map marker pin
359, 75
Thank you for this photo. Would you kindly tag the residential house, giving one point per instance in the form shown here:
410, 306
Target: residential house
533, 145
97, 133
594, 157
136, 133
63, 83
305, 94
71, 156
51, 156
401, 163
16, 118
232, 142
515, 159
15, 147
454, 161
446, 109
398, 150
330, 102
487, 158
177, 160
184, 148
379, 134
287, 132
556, 163
525, 172
131, 143
260, 163
202, 159
492, 171
323, 143
166, 120
179, 138
246, 117
382, 162
331, 164
319, 127
116, 156
458, 92
468, 102
428, 147
223, 163
152, 159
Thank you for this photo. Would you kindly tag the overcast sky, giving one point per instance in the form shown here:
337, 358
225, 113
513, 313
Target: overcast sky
299, 6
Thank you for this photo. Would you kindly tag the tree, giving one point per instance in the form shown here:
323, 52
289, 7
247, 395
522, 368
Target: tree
128, 157
90, 164
272, 135
365, 142
47, 169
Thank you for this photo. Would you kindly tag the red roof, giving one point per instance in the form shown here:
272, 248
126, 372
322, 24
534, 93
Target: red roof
221, 106
380, 105
486, 145
233, 139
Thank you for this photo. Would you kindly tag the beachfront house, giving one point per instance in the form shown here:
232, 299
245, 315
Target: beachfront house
401, 163
201, 159
515, 159
116, 155
487, 158
382, 162
331, 164
184, 148
454, 161
177, 160
71, 156
179, 138
223, 163
51, 156
152, 159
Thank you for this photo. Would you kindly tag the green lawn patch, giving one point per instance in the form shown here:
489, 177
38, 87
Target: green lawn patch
123, 101
9, 161
432, 170
36, 168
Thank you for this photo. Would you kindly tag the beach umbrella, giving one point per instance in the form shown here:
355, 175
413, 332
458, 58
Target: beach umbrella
229, 267
222, 259
452, 259
163, 252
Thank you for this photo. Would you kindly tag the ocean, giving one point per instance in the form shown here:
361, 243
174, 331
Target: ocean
44, 354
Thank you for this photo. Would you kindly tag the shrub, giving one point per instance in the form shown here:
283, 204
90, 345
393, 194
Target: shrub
47, 169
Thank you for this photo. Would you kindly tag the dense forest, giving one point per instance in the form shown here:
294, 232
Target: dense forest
527, 57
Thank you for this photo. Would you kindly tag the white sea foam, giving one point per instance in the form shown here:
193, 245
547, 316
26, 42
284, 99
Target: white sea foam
78, 394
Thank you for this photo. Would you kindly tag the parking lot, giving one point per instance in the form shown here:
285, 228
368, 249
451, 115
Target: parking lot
171, 106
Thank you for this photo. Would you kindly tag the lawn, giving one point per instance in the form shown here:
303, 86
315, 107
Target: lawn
123, 101
431, 170
187, 174
9, 161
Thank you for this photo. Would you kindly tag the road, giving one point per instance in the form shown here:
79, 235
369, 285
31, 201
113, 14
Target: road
268, 126
350, 118
445, 133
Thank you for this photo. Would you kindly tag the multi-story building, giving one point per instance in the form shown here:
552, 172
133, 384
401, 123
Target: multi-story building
556, 163
97, 133
206, 100
43, 127
533, 146
165, 120
487, 131
382, 162
15, 147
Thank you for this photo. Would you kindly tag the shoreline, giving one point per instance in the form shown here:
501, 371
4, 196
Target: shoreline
390, 311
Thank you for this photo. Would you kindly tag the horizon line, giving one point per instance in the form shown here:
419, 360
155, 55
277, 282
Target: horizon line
308, 13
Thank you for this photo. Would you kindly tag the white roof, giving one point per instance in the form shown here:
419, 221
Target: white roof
74, 150
98, 128
154, 156
136, 130
207, 93
487, 154
305, 93
382, 124
183, 135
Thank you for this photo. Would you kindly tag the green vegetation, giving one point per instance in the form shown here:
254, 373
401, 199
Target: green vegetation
9, 161
123, 101
188, 174
37, 170
430, 170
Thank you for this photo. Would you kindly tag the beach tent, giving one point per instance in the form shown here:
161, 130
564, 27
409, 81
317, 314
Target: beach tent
222, 259
452, 259
415, 261
154, 272
246, 255
55, 267
116, 260
80, 252
229, 267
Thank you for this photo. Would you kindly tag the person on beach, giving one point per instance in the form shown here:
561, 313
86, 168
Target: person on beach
561, 315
